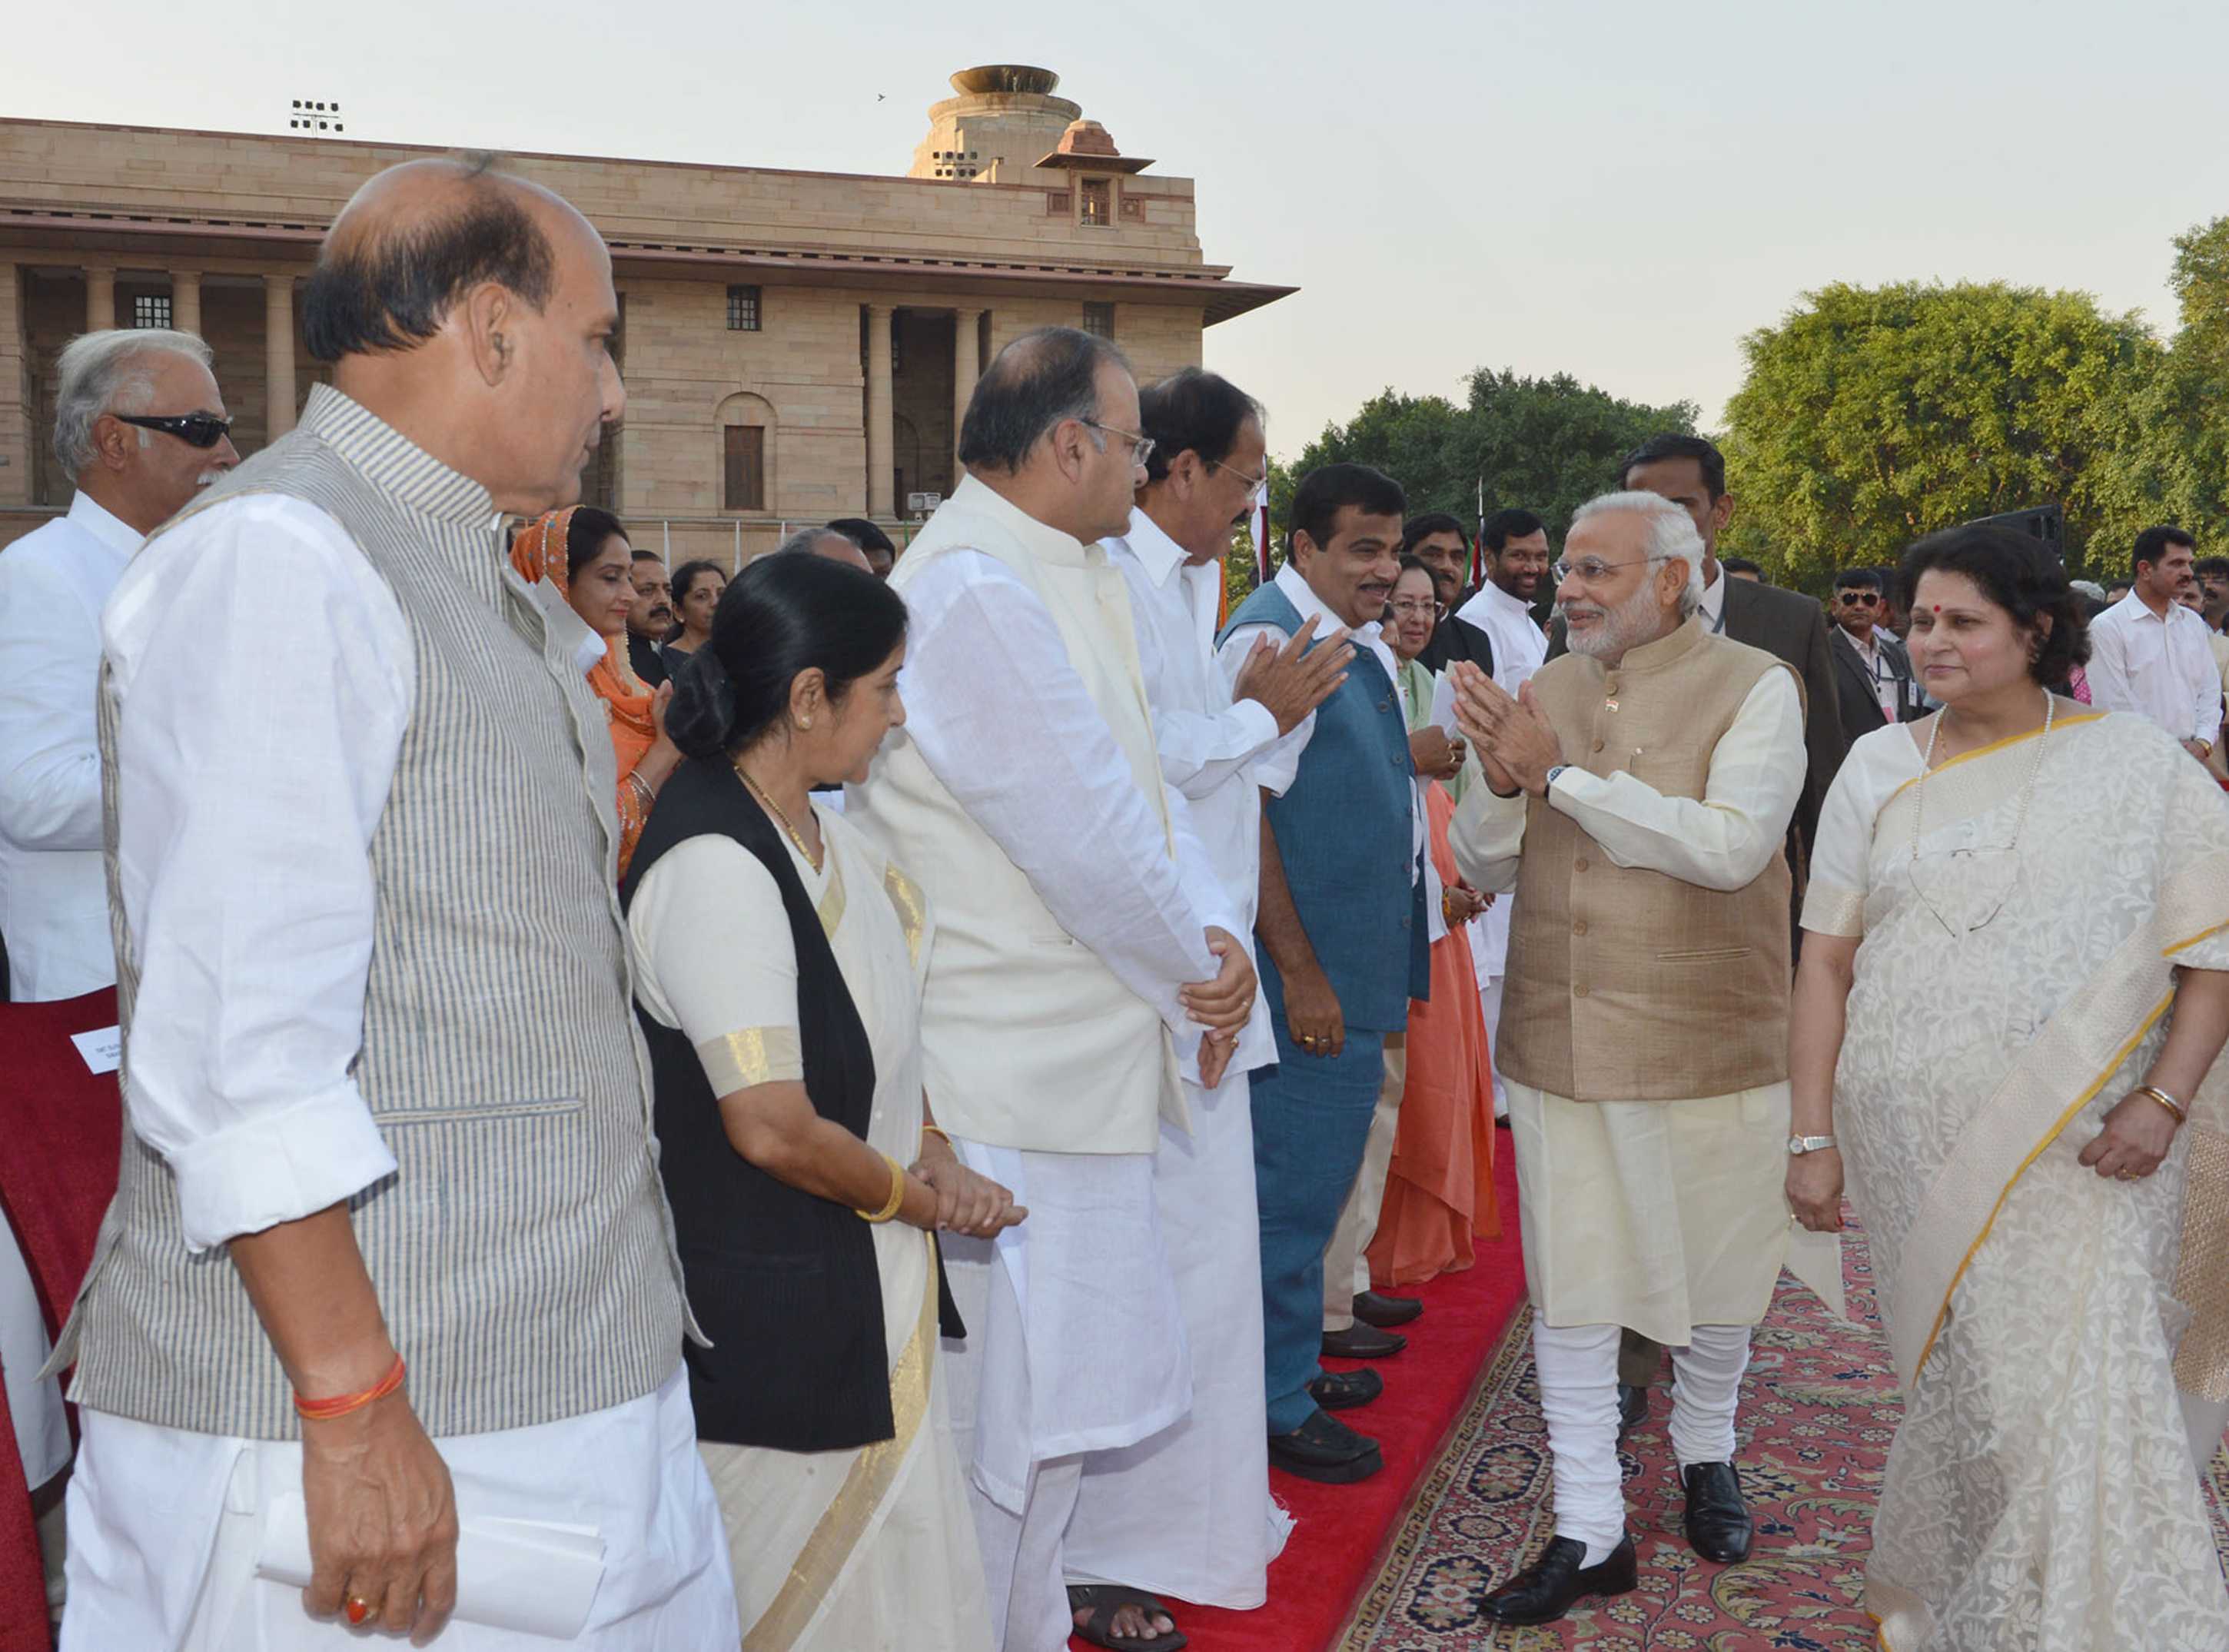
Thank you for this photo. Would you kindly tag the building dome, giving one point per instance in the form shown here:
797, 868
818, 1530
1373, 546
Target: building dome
1006, 77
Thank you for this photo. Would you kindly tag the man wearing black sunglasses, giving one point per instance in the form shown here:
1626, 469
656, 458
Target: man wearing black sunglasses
1874, 685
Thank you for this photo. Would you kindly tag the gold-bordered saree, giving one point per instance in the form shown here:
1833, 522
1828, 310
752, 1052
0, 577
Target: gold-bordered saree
2012, 983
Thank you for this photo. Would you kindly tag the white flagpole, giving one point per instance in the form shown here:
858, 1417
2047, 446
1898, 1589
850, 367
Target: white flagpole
1261, 535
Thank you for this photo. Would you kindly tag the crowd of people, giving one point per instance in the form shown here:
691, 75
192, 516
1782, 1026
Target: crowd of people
550, 1019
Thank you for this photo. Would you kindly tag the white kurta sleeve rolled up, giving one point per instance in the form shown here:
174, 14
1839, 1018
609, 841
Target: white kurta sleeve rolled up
245, 810
1117, 888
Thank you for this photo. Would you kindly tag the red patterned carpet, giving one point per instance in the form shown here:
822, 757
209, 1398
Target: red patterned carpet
1818, 1409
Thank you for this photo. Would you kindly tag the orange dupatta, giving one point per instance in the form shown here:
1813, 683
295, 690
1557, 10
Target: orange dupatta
539, 553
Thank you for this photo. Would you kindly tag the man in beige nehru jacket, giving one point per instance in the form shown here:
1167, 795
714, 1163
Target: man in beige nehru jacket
1636, 794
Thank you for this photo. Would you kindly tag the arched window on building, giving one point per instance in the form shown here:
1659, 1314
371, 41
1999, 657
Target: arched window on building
747, 427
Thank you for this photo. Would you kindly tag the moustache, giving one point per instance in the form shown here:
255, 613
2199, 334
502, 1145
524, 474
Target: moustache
1582, 610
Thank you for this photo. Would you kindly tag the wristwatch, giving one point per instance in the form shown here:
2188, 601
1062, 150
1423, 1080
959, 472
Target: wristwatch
1800, 1144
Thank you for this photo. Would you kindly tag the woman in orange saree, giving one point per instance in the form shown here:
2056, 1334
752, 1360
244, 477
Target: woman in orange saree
582, 554
1439, 1193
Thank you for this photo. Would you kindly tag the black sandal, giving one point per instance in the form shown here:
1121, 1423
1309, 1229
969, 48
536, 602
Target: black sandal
1104, 1600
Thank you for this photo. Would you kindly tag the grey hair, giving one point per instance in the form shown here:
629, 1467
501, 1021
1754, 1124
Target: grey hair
100, 369
805, 539
1033, 386
1672, 536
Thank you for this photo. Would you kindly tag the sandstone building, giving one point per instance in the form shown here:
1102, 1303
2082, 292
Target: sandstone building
796, 345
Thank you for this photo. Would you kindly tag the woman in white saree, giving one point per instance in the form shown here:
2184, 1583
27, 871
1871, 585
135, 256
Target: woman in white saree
779, 961
2009, 1003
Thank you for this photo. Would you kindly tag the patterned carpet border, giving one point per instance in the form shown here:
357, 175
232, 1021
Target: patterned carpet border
1819, 1408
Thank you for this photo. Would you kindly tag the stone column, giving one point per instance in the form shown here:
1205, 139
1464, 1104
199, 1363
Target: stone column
99, 299
881, 441
967, 340
15, 454
186, 300
279, 354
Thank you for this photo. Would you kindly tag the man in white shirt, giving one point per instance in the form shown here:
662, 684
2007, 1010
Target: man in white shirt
1516, 545
1084, 947
140, 428
2149, 654
1188, 1512
386, 1098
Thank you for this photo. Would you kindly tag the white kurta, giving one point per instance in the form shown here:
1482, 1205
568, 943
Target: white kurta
713, 956
260, 920
1075, 1337
1520, 648
1659, 1216
1188, 1512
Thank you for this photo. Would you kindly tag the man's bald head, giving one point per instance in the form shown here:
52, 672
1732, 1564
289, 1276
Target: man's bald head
473, 311
415, 240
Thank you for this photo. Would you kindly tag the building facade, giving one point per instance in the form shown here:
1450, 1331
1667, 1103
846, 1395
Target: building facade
796, 345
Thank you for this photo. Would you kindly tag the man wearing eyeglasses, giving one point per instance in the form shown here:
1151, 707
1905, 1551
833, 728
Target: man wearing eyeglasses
1874, 686
139, 426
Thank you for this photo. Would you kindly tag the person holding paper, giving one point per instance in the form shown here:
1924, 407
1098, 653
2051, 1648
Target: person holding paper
1636, 794
389, 1249
2014, 990
781, 959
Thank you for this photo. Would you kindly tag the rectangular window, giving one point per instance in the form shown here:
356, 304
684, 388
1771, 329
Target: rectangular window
1099, 201
1098, 318
743, 309
151, 310
746, 466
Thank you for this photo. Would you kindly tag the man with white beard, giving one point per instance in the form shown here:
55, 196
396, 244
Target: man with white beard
139, 428
1636, 794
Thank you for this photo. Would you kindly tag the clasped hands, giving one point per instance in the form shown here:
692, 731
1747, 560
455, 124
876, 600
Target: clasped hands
1221, 1006
1515, 743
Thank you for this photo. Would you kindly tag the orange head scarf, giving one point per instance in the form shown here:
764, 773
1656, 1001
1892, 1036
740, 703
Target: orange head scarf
539, 553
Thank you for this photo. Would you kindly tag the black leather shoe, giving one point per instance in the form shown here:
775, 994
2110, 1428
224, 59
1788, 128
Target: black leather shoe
1360, 1341
1338, 1391
1632, 1406
1326, 1451
1718, 1526
1376, 1307
1558, 1581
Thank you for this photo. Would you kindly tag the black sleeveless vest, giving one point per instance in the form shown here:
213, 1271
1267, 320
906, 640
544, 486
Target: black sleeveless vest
782, 1281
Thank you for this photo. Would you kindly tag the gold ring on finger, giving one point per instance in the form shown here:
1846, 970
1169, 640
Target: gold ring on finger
357, 1609
2127, 1175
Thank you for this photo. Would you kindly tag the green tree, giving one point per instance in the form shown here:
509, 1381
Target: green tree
1872, 415
2178, 468
1545, 444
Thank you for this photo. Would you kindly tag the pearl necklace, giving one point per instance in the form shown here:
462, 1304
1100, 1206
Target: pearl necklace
2019, 821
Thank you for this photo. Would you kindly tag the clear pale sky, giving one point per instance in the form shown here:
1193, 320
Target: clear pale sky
1614, 189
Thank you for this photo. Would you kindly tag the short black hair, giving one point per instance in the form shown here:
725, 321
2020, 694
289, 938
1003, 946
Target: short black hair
687, 573
1512, 523
1741, 565
2152, 544
1675, 444
1416, 529
1192, 411
2119, 582
1856, 579
585, 535
2217, 566
392, 291
864, 534
1328, 489
642, 556
1033, 385
2020, 576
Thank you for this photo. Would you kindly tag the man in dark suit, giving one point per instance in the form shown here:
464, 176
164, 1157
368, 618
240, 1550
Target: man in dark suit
1873, 672
1438, 541
1691, 472
651, 619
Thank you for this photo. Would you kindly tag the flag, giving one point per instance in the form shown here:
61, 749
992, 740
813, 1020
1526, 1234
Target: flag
1477, 542
1261, 531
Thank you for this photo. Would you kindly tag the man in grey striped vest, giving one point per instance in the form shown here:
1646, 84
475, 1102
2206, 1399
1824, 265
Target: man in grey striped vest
388, 1260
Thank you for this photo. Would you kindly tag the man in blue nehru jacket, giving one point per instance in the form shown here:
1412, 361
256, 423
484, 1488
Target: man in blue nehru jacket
1344, 932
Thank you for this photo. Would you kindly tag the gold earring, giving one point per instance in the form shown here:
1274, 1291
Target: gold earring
804, 722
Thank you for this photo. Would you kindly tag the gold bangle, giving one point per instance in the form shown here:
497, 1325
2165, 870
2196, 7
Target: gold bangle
937, 1129
2165, 1101
897, 1195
